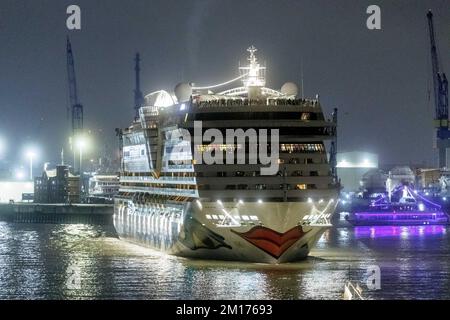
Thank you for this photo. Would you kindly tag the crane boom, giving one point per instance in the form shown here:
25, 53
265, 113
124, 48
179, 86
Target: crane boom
440, 83
71, 75
440, 90
76, 107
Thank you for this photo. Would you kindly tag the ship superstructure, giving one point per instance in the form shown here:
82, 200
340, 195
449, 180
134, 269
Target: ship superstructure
172, 199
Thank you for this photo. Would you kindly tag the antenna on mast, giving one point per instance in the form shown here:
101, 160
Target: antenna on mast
138, 96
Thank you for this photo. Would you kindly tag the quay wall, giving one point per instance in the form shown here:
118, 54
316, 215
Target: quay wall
57, 213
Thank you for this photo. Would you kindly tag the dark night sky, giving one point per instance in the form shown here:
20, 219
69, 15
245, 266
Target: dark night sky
378, 79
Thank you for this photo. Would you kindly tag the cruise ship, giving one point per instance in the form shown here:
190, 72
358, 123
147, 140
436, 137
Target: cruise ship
196, 180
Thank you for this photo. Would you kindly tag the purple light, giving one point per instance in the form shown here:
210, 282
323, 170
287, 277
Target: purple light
398, 231
404, 189
393, 213
402, 217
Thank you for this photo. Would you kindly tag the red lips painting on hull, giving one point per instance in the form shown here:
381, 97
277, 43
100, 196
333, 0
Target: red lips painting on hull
270, 241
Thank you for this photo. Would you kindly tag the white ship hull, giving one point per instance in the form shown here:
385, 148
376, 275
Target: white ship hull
272, 233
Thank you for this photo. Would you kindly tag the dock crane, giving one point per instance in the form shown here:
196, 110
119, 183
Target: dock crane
75, 108
440, 93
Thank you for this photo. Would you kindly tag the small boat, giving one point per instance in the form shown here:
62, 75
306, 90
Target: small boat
401, 207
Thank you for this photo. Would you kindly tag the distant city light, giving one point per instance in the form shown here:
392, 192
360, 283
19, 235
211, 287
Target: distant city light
31, 154
81, 142
260, 201
20, 175
365, 163
310, 200
421, 207
343, 163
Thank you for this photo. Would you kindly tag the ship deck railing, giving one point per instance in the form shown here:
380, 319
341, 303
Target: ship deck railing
256, 102
160, 180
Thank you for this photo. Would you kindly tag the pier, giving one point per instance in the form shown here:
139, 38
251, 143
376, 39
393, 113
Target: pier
57, 213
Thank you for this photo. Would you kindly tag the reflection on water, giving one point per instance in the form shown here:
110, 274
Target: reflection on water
38, 262
398, 231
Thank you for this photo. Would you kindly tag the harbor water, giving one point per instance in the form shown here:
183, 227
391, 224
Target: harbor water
41, 261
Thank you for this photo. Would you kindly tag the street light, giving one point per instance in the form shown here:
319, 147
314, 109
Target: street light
30, 155
81, 144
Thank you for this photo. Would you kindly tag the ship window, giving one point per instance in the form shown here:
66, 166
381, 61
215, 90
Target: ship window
215, 217
301, 186
302, 147
218, 147
314, 173
306, 116
221, 217
254, 218
246, 218
208, 217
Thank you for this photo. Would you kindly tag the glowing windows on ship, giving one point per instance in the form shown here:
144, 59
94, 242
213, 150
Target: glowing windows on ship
306, 116
218, 147
302, 147
235, 217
